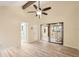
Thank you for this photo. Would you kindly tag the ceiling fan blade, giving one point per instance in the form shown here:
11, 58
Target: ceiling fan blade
39, 8
35, 6
31, 12
45, 9
36, 15
28, 4
44, 13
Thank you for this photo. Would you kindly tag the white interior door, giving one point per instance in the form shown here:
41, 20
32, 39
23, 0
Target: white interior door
24, 31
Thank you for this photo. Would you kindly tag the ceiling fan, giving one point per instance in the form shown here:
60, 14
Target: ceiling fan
39, 11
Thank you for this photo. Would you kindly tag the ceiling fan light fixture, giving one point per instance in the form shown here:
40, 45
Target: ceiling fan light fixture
39, 13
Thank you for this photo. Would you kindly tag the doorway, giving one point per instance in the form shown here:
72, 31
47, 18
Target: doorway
44, 32
24, 32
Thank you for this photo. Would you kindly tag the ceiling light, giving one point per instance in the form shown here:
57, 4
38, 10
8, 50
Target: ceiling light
38, 13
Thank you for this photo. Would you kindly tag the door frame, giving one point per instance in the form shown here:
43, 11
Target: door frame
49, 32
26, 24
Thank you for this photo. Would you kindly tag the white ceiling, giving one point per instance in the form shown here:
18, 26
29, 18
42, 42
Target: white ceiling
12, 3
18, 3
42, 3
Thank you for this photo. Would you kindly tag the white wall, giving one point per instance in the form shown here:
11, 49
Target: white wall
10, 27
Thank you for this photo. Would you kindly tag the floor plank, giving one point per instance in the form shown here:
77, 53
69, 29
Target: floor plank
40, 49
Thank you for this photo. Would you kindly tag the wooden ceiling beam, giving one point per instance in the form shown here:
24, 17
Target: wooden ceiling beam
28, 4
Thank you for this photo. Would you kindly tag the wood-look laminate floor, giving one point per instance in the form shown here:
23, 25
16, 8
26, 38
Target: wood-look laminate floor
40, 49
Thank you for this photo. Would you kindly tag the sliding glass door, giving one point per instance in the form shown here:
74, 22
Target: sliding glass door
52, 32
56, 32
